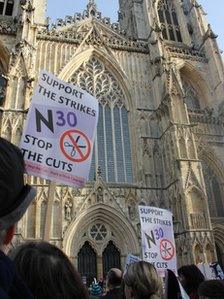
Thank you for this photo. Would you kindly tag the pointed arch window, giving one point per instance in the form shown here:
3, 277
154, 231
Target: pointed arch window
168, 21
213, 190
191, 97
111, 258
6, 7
87, 262
112, 148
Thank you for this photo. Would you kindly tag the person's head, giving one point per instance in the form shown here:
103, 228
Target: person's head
114, 278
211, 289
142, 282
48, 272
15, 197
190, 277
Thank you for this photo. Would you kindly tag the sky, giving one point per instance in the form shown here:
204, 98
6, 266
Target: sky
109, 8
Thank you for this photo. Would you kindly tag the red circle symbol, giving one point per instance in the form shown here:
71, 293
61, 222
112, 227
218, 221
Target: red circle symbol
75, 145
167, 249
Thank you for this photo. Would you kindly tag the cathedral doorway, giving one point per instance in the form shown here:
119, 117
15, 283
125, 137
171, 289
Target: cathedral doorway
111, 258
87, 263
100, 238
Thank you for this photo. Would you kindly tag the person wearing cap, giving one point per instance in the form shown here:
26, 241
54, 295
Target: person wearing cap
96, 290
114, 280
15, 198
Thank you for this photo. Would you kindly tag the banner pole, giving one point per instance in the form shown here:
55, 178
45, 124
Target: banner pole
48, 219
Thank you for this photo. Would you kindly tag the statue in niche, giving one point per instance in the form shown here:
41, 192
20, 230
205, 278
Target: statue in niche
132, 210
99, 195
209, 112
68, 210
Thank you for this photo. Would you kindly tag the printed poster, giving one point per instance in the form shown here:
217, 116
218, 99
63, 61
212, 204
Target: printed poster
131, 259
59, 133
158, 246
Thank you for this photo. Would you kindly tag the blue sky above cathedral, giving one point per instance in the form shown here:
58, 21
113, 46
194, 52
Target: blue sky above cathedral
57, 8
109, 8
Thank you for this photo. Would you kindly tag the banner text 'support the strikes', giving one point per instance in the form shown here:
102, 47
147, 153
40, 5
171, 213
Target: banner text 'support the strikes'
158, 245
59, 134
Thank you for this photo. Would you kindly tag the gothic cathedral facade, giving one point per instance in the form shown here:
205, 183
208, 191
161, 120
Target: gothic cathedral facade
159, 78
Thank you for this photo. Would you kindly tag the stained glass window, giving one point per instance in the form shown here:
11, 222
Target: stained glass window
112, 149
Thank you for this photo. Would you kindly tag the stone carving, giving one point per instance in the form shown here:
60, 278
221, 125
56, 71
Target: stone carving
186, 52
99, 195
97, 80
110, 34
209, 112
132, 210
68, 210
191, 96
8, 27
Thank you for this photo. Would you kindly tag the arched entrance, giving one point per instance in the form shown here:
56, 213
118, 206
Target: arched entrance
111, 258
87, 263
107, 231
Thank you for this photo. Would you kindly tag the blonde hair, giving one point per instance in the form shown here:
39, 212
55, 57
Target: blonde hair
143, 279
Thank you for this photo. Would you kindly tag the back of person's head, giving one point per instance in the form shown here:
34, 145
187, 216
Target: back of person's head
142, 282
15, 197
211, 289
114, 278
190, 278
48, 272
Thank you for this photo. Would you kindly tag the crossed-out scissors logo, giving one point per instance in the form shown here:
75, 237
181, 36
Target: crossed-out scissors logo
75, 145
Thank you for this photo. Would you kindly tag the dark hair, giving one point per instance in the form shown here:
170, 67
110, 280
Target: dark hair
143, 279
113, 278
212, 289
193, 278
48, 272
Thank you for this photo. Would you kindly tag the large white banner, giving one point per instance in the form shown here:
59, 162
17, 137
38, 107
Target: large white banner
59, 133
158, 245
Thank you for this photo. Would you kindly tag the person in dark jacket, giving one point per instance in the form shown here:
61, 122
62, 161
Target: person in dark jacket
211, 289
15, 198
114, 279
191, 277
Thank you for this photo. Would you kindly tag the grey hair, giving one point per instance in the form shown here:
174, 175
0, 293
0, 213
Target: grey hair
2, 236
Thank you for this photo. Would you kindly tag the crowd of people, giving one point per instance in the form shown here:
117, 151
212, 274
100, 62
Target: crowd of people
41, 270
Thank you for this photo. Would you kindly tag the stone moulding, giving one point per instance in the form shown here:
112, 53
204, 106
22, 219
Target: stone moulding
8, 27
186, 53
123, 45
200, 116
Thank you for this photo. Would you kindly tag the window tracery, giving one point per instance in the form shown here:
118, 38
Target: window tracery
191, 97
6, 7
168, 21
112, 149
98, 232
